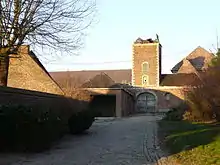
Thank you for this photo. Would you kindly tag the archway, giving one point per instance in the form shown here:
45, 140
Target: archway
146, 102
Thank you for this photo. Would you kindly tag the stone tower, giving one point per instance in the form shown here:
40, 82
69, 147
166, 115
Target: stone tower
146, 69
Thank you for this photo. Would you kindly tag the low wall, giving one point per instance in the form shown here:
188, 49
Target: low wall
62, 105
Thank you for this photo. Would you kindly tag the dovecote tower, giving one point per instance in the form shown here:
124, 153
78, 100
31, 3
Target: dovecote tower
146, 69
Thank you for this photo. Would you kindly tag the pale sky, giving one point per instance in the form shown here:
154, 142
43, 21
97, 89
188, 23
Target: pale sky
181, 26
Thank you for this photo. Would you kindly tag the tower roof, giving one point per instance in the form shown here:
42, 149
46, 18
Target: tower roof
145, 41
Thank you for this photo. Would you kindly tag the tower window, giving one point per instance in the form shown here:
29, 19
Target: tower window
145, 80
145, 67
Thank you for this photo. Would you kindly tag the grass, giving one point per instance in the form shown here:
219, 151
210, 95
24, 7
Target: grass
192, 143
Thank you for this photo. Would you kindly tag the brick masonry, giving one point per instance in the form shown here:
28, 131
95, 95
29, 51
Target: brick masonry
124, 100
150, 53
176, 96
25, 73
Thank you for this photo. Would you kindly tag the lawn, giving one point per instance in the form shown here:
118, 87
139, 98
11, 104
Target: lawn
191, 143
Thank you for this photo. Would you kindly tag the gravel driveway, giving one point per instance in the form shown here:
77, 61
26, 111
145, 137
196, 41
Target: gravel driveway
125, 141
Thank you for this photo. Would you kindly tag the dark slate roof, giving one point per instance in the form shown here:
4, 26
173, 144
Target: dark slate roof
199, 58
179, 79
118, 76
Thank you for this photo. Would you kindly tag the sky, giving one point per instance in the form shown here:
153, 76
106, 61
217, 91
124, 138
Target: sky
181, 26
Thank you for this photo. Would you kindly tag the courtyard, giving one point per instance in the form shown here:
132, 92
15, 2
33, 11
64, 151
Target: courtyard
110, 141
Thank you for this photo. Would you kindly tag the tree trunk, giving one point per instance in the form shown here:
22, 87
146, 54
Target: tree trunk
4, 65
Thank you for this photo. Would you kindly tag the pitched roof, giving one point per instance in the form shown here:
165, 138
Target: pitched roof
117, 76
199, 58
186, 67
179, 79
99, 81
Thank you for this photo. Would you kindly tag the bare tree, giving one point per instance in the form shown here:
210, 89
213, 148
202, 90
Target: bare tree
72, 87
70, 84
56, 24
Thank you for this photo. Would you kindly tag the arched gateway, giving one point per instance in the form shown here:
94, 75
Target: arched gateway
146, 102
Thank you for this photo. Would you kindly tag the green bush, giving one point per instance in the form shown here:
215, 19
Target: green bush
22, 127
176, 113
26, 128
81, 121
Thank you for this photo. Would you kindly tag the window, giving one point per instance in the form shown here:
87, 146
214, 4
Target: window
145, 80
144, 67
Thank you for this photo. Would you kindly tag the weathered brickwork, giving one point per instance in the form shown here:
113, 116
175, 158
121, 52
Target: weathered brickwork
149, 53
176, 95
25, 73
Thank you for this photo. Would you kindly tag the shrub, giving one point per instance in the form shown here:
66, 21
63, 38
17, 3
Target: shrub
204, 102
176, 113
81, 121
28, 129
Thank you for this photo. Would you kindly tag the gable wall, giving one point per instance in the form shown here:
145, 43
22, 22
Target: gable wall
25, 73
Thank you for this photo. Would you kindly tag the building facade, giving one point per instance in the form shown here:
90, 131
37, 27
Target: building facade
152, 91
26, 72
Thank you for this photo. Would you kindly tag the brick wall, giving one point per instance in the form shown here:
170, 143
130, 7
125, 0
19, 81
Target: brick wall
127, 103
177, 96
60, 104
124, 100
25, 73
148, 52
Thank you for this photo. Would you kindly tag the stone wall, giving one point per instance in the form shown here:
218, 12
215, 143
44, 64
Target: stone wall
25, 73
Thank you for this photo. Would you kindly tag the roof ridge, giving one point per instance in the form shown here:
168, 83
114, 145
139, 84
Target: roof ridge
198, 47
108, 76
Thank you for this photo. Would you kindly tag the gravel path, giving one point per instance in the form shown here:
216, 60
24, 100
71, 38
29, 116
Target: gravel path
126, 141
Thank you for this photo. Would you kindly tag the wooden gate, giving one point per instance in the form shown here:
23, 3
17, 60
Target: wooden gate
146, 102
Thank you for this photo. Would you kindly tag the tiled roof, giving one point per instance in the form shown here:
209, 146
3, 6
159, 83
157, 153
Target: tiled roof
179, 79
99, 81
199, 58
118, 76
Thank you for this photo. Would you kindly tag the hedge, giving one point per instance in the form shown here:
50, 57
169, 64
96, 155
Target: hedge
30, 129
